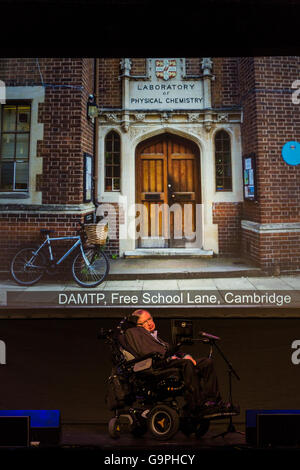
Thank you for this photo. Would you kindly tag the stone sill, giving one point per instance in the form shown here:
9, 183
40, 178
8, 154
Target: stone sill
14, 195
270, 228
47, 208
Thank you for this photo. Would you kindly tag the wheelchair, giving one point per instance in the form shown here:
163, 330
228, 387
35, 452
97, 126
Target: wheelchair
145, 396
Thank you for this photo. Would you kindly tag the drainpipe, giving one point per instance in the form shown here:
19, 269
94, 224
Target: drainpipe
125, 67
96, 135
207, 77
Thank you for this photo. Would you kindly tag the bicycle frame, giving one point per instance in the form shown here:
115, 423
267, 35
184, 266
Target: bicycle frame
76, 244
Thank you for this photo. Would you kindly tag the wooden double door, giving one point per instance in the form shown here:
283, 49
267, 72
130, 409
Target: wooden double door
167, 191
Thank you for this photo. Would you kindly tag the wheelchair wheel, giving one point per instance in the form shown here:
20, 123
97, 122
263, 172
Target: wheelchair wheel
188, 426
114, 428
163, 422
202, 428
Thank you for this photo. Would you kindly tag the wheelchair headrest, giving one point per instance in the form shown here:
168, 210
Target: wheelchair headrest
128, 322
123, 343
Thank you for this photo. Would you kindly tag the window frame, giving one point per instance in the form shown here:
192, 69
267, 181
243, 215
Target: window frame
223, 165
17, 103
112, 132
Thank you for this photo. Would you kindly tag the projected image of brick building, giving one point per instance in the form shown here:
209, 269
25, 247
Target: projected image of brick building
206, 134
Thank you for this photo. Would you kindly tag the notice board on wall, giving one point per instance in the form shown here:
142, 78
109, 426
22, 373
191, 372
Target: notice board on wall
249, 177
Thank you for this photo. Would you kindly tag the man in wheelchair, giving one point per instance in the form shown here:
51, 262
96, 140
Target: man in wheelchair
155, 387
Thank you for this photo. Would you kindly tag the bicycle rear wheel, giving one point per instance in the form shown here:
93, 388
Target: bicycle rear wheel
92, 268
26, 268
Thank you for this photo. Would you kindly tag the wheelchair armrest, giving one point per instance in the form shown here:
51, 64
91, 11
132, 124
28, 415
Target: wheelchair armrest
142, 358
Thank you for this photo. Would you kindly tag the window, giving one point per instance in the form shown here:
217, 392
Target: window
223, 161
14, 147
112, 162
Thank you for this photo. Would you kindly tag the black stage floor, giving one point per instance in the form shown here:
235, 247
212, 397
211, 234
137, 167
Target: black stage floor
97, 436
81, 442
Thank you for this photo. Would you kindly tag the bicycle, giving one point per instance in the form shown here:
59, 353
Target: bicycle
90, 266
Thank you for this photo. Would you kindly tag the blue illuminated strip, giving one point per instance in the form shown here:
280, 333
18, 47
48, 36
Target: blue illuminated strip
38, 418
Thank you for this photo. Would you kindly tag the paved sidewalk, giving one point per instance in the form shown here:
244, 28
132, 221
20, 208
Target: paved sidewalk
219, 297
191, 283
274, 283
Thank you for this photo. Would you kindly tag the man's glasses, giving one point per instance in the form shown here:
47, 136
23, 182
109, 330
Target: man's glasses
146, 321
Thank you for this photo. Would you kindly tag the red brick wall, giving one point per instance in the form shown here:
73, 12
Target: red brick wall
246, 87
110, 87
274, 253
67, 135
67, 131
20, 72
224, 86
278, 122
23, 229
193, 66
228, 217
138, 66
251, 248
270, 120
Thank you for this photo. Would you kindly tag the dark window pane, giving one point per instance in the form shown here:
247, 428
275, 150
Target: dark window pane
223, 161
112, 161
22, 147
7, 176
21, 175
14, 147
218, 146
9, 118
108, 144
226, 145
227, 171
108, 184
116, 146
23, 121
116, 184
116, 170
8, 146
108, 158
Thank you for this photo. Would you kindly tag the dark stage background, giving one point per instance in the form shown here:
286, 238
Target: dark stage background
60, 364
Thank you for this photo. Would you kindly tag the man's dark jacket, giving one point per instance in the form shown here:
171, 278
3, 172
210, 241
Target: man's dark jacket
142, 342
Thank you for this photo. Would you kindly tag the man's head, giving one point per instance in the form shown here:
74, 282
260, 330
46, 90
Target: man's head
144, 319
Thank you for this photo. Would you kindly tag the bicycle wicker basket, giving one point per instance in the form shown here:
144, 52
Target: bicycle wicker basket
96, 233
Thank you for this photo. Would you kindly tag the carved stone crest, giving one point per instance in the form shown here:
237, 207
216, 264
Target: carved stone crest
192, 117
222, 117
139, 117
111, 117
165, 117
165, 68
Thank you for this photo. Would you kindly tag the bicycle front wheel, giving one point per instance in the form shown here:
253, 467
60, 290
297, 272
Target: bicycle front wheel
92, 268
27, 268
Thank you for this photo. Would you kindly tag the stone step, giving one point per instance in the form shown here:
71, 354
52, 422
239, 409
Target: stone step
174, 253
161, 275
183, 268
